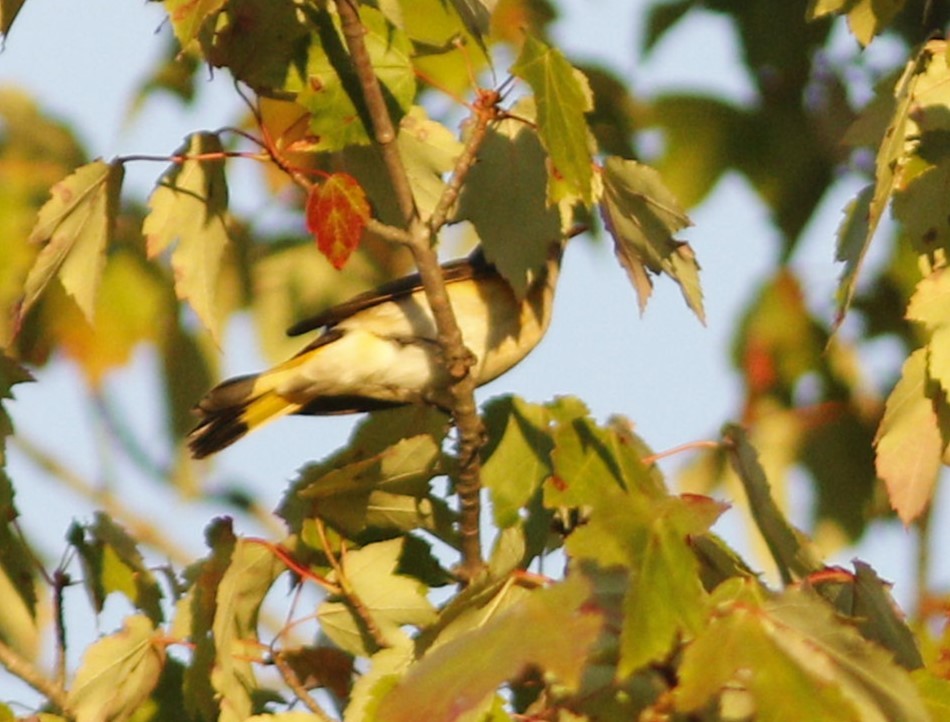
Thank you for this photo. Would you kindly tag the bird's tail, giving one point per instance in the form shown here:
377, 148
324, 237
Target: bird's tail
232, 409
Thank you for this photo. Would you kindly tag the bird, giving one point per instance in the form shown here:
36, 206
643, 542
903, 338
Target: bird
380, 350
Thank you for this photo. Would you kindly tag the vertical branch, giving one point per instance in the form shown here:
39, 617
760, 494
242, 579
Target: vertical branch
458, 360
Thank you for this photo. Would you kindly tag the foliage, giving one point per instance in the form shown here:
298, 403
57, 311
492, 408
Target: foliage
654, 616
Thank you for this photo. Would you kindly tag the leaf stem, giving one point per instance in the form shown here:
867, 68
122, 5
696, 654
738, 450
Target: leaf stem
293, 681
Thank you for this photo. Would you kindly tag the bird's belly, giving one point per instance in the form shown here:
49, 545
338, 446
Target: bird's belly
364, 364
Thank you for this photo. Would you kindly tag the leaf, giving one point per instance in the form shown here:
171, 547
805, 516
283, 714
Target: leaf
789, 547
249, 576
263, 43
854, 239
552, 629
329, 88
75, 226
908, 443
518, 456
337, 213
866, 18
189, 16
635, 524
563, 97
111, 562
504, 199
388, 490
11, 374
189, 206
195, 616
642, 216
866, 599
131, 307
8, 13
321, 667
794, 648
118, 673
391, 599
428, 150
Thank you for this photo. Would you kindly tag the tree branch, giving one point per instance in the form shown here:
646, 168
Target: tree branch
21, 668
458, 359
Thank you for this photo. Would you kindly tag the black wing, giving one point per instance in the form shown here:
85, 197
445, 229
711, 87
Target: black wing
476, 265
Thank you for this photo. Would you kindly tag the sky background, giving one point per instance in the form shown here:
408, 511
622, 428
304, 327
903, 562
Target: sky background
664, 370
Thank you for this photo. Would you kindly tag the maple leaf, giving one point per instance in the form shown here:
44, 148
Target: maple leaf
337, 212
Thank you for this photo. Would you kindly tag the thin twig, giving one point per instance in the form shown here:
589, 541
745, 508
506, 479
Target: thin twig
457, 359
24, 670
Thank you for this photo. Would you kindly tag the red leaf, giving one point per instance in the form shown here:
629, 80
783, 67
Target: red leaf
337, 212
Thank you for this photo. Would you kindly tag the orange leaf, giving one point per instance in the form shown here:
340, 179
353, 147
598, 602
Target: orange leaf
337, 212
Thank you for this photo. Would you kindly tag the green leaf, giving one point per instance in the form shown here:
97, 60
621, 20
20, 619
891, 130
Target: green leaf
518, 456
329, 88
118, 673
429, 150
388, 460
111, 562
391, 599
11, 374
854, 239
908, 442
75, 226
935, 692
251, 573
195, 615
563, 97
642, 216
262, 42
789, 547
552, 629
866, 18
189, 16
388, 490
504, 199
189, 206
866, 599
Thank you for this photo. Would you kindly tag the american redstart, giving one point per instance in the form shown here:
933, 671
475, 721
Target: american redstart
380, 350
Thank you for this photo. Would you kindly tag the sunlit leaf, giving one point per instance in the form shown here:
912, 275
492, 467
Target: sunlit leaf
642, 216
75, 226
518, 456
189, 207
391, 599
118, 672
551, 629
794, 648
388, 490
908, 441
240, 593
131, 307
428, 150
112, 562
866, 18
188, 16
563, 97
337, 212
329, 87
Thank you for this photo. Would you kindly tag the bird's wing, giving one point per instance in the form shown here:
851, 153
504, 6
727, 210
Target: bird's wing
474, 266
